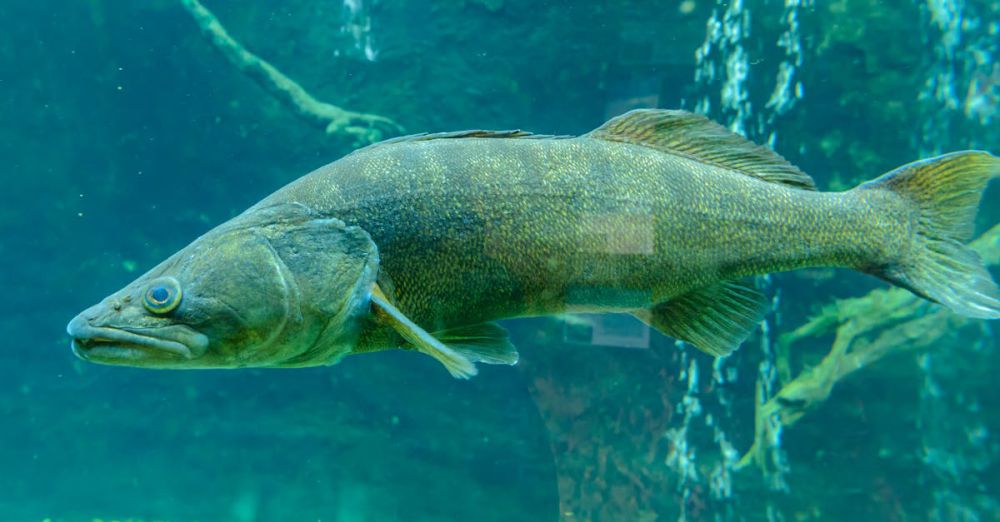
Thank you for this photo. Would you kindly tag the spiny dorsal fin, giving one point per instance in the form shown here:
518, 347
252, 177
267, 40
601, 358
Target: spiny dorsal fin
696, 137
474, 133
715, 319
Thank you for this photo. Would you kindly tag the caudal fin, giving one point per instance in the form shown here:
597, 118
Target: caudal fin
939, 266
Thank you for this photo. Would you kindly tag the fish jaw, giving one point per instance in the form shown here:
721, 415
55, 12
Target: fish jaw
124, 345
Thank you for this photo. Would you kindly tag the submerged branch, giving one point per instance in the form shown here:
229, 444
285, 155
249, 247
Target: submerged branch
335, 120
866, 329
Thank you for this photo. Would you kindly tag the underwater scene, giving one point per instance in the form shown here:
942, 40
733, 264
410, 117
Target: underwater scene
618, 260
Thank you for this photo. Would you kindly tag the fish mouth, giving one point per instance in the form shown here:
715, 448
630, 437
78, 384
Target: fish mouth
107, 343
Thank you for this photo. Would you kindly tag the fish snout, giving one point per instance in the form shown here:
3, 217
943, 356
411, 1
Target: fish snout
82, 332
83, 327
77, 330
96, 337
77, 326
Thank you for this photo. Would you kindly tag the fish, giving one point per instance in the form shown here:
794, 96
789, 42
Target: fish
424, 242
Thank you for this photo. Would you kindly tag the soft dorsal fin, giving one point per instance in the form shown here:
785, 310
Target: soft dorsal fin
696, 137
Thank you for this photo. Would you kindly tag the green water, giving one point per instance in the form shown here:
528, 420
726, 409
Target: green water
124, 134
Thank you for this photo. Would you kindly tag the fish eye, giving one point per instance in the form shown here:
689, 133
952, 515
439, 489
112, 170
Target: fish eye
162, 296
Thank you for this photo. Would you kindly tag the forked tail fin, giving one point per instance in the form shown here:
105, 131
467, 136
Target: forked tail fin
939, 266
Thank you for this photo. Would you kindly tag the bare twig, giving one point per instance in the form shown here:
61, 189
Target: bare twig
335, 120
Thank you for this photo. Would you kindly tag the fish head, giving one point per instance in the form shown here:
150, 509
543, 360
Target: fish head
264, 290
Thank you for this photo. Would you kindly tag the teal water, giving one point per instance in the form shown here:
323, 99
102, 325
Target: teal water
125, 134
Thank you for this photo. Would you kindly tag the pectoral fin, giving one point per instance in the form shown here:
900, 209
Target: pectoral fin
458, 365
715, 319
486, 343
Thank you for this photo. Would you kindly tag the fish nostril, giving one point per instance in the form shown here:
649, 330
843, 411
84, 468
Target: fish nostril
117, 306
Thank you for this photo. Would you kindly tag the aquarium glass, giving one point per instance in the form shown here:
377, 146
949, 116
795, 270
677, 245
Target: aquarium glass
129, 129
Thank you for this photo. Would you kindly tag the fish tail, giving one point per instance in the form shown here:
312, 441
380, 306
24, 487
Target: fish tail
944, 193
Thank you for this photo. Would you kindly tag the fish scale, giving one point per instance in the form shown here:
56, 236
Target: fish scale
707, 223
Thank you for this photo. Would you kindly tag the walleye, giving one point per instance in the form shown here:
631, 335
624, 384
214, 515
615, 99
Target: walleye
421, 242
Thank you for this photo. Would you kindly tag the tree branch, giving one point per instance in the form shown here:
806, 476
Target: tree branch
363, 127
867, 329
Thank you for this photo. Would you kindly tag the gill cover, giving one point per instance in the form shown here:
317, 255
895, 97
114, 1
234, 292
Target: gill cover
329, 268
274, 287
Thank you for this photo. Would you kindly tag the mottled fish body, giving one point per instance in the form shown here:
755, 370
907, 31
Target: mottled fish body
421, 242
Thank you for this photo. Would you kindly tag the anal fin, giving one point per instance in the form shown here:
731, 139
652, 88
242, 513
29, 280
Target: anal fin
715, 319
